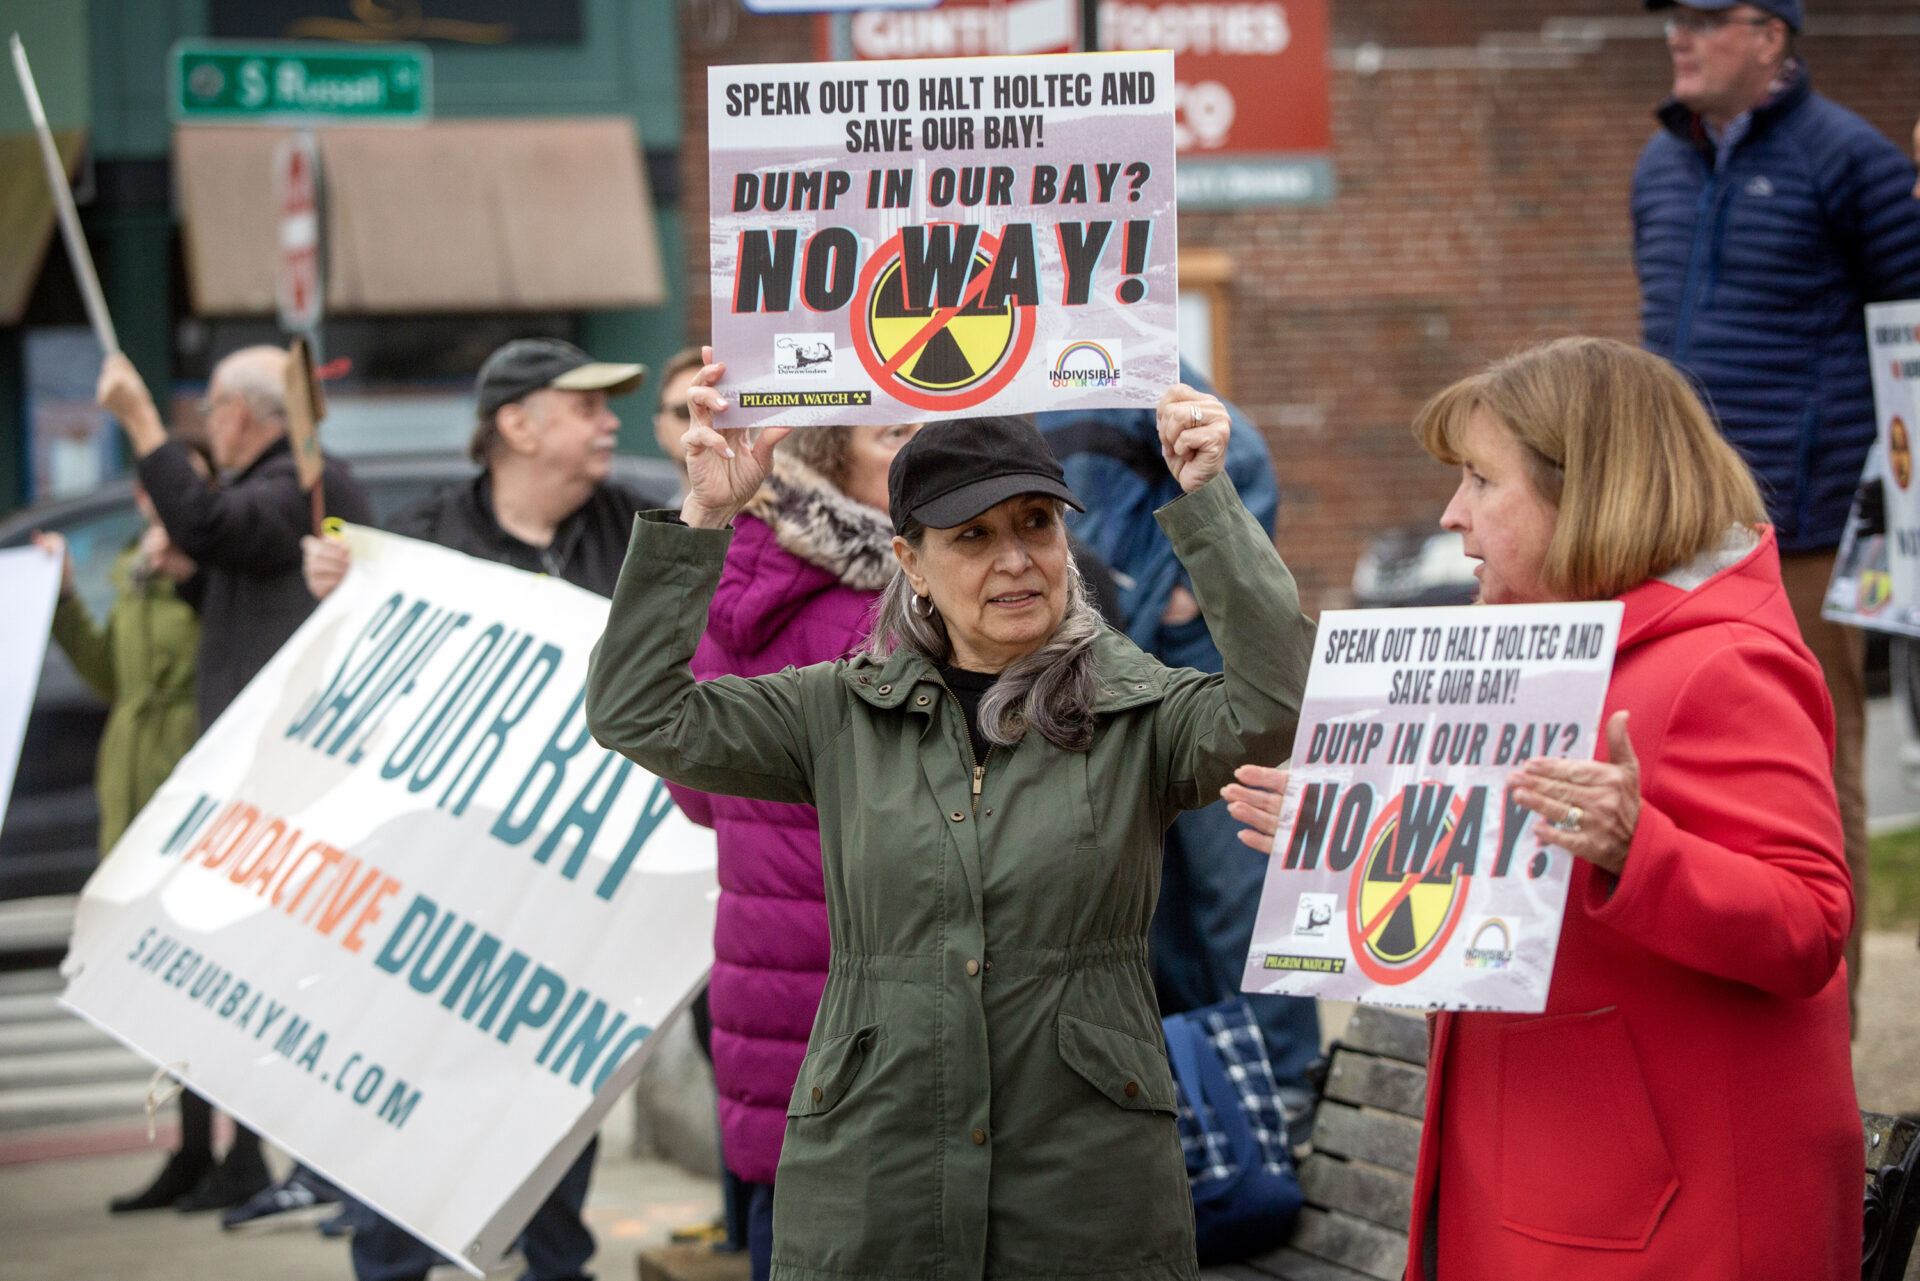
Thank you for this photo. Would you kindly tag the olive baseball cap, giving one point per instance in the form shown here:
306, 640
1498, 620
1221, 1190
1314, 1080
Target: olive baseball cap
1788, 11
952, 471
527, 365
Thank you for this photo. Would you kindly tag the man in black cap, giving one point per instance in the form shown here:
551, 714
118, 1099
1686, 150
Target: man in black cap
1765, 218
542, 503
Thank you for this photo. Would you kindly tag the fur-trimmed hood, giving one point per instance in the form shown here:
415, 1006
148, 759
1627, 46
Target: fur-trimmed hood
802, 552
822, 526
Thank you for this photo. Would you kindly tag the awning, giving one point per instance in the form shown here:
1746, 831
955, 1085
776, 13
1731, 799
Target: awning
459, 215
26, 213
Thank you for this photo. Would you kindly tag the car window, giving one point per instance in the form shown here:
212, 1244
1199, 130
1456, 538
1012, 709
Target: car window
388, 495
95, 541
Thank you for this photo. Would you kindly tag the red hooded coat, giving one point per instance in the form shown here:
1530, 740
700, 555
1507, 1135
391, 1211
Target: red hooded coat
1684, 1107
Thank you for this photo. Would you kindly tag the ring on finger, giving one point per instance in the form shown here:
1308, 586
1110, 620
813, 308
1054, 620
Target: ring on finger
1570, 821
1196, 415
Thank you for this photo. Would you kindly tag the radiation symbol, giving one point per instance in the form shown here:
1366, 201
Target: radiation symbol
1400, 923
946, 359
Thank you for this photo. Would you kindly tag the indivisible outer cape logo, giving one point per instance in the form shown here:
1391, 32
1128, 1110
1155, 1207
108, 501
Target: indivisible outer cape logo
1314, 916
803, 355
1084, 364
944, 352
1491, 945
1405, 896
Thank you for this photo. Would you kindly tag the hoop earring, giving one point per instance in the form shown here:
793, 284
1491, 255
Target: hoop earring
918, 601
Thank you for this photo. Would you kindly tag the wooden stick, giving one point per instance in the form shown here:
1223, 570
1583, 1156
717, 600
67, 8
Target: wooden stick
77, 253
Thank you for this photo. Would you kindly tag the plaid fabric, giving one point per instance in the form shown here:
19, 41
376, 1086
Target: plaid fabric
1234, 1036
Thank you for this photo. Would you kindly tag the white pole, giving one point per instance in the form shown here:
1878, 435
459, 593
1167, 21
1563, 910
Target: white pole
63, 206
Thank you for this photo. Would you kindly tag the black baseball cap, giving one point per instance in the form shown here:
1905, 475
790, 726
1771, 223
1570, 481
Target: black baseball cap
952, 471
527, 365
1788, 11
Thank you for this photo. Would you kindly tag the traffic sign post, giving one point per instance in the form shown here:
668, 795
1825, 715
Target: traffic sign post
289, 82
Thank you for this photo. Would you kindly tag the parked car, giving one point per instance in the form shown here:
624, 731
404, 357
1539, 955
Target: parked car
49, 842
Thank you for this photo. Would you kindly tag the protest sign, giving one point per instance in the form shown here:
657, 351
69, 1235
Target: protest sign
1403, 873
1876, 573
30, 584
922, 239
396, 910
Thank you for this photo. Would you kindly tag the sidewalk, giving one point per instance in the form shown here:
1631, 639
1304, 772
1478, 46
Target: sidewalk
54, 1224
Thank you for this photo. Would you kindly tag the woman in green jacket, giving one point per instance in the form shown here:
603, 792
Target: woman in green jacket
141, 661
986, 1092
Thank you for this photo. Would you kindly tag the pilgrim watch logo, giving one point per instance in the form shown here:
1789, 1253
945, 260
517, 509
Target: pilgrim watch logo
1407, 891
1084, 364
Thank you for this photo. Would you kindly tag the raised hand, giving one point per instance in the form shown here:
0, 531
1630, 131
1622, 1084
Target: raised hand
725, 466
1255, 800
123, 393
1193, 435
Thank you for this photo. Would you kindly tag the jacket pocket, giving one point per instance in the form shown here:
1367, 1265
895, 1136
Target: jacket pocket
1132, 1073
826, 1073
1581, 1157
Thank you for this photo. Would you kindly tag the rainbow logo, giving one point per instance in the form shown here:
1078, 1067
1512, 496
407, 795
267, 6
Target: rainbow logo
1491, 947
1085, 364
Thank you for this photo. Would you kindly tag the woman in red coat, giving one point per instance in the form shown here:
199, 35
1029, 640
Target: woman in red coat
1684, 1106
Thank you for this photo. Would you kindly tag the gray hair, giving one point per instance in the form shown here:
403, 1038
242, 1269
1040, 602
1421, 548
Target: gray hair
258, 376
1049, 690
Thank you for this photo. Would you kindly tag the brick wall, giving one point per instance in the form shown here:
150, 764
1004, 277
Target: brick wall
1483, 173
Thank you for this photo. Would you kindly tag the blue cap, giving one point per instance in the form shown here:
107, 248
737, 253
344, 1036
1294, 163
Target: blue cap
1788, 11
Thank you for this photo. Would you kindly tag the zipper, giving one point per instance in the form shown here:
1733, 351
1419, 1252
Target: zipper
1702, 237
978, 766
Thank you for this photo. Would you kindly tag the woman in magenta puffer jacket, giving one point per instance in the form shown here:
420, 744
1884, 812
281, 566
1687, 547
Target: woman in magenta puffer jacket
808, 558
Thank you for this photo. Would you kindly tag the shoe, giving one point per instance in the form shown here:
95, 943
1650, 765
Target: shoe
177, 1177
291, 1195
231, 1183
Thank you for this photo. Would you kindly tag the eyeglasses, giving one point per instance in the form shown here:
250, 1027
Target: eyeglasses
208, 404
1696, 22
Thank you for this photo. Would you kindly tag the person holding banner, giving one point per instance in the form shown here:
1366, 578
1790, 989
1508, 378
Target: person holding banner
1684, 1106
541, 503
244, 535
986, 1090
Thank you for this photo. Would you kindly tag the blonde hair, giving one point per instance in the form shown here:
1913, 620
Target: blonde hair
1620, 443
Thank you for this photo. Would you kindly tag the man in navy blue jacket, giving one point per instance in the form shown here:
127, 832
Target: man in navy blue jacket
1765, 218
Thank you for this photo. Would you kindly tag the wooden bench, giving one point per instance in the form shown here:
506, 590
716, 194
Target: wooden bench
1358, 1178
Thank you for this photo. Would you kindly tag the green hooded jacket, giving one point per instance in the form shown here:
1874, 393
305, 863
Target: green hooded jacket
142, 663
986, 1092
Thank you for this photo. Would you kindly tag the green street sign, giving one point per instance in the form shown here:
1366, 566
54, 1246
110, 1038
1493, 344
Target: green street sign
289, 82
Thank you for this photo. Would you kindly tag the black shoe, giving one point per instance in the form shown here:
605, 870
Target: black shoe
179, 1176
290, 1196
233, 1182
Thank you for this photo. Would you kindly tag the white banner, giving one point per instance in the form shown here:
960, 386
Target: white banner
30, 585
397, 910
1876, 574
1403, 873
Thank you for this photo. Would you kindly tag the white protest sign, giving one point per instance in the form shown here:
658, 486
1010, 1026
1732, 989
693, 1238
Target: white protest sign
397, 910
1876, 580
1402, 873
30, 584
949, 237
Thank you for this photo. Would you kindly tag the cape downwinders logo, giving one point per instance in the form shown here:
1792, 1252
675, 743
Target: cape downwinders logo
803, 355
1084, 365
